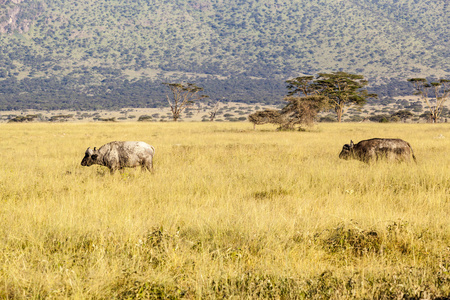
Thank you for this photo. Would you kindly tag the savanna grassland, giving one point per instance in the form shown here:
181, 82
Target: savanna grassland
228, 213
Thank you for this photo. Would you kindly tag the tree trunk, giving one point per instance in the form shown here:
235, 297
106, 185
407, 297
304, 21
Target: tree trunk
339, 111
434, 116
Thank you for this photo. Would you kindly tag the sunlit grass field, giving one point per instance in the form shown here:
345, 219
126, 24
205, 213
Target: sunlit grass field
230, 212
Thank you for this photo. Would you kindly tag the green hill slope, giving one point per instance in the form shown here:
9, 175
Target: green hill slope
90, 52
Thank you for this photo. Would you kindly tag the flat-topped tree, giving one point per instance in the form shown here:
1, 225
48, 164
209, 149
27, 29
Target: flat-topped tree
183, 96
303, 85
435, 102
342, 89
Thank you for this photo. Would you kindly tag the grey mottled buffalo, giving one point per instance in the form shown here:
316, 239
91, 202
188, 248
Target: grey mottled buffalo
376, 149
118, 155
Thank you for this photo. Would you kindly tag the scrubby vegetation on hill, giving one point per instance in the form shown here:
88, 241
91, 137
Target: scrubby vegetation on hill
82, 53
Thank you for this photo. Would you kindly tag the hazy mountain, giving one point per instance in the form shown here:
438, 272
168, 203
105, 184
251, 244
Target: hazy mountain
110, 53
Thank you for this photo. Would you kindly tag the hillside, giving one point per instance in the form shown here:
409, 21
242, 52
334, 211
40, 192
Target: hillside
106, 53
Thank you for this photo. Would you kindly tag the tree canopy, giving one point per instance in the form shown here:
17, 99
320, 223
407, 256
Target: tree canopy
434, 94
341, 89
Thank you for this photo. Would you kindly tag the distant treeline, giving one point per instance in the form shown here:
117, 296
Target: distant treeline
96, 54
76, 93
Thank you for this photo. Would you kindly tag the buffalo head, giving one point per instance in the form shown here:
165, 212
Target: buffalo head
347, 151
90, 157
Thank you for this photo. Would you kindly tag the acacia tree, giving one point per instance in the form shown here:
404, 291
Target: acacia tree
272, 116
214, 110
435, 103
342, 89
183, 96
298, 111
302, 110
303, 85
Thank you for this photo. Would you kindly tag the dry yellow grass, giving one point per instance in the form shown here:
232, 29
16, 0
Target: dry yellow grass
229, 212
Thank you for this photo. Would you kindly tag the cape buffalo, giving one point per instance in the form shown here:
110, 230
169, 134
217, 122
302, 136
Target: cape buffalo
375, 149
118, 155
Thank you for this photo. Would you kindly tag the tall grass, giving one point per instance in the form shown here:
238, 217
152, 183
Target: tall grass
228, 213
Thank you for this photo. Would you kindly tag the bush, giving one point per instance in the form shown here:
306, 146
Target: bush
380, 118
357, 241
354, 119
60, 118
394, 119
21, 119
144, 118
107, 119
328, 119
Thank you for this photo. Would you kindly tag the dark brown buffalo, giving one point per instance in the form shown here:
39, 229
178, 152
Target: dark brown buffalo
118, 155
376, 149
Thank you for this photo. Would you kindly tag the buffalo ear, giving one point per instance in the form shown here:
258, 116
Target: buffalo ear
94, 156
95, 148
